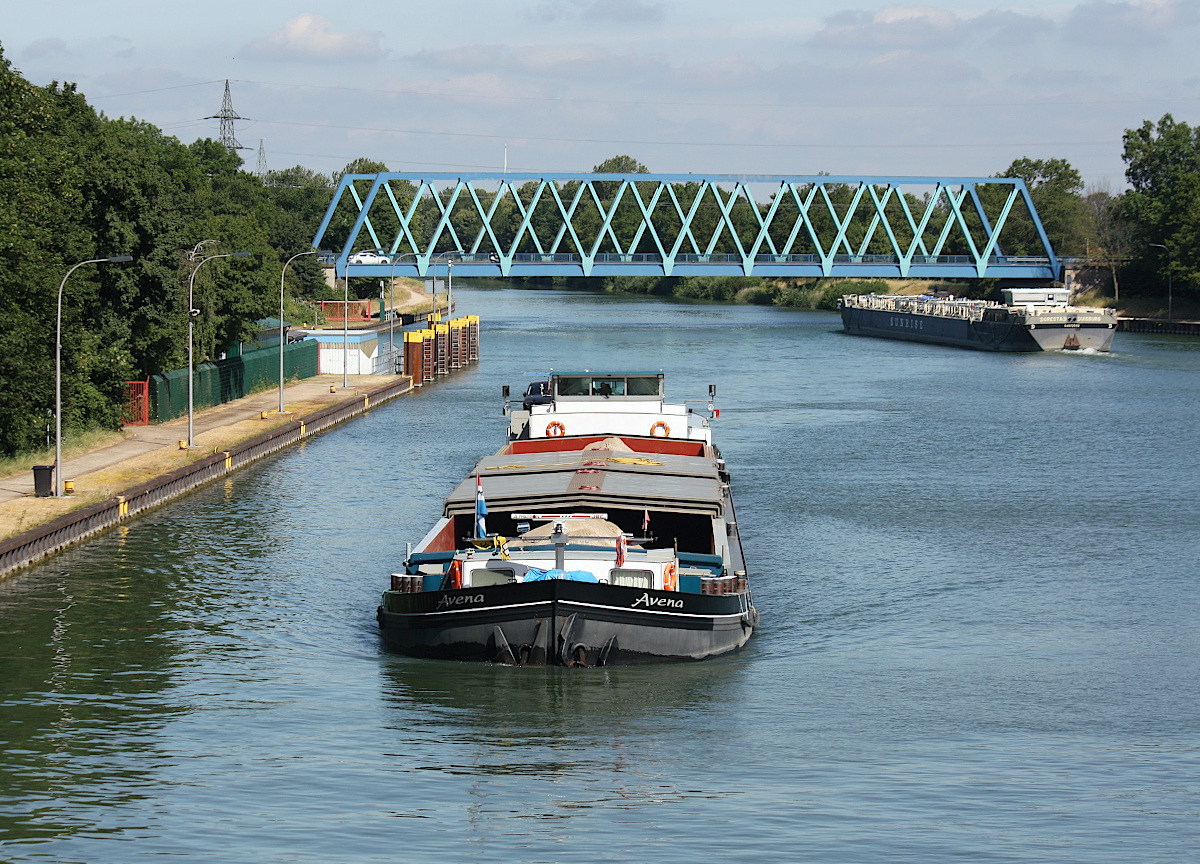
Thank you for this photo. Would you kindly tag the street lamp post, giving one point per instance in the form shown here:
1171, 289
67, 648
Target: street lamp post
58, 478
281, 335
392, 322
392, 316
444, 256
1170, 316
192, 313
433, 259
346, 332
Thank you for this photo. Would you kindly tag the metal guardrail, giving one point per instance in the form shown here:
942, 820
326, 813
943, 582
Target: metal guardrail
45, 540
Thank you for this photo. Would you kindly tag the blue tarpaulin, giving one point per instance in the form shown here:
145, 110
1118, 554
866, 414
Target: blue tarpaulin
533, 574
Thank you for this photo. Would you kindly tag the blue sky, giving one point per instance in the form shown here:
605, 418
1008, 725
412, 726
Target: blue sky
754, 87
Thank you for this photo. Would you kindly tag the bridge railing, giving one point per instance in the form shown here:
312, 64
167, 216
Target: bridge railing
723, 258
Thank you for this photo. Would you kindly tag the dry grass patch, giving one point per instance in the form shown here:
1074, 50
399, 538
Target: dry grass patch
78, 443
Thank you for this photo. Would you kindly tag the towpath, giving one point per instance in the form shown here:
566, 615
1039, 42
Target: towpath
150, 451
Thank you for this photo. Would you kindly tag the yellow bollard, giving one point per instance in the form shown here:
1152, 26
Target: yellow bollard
69, 487
182, 445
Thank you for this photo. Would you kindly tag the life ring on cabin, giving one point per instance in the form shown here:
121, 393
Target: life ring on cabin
456, 575
554, 429
666, 430
669, 581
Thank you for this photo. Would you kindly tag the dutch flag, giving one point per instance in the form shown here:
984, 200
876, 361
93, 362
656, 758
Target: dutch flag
480, 509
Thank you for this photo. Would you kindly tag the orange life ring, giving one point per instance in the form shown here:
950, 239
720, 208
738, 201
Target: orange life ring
554, 429
456, 575
669, 582
666, 430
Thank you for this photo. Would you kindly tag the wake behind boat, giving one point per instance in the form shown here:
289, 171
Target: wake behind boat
602, 533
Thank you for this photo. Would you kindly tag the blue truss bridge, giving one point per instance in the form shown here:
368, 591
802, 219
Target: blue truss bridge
504, 225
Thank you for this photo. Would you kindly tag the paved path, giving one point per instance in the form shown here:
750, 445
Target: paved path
145, 439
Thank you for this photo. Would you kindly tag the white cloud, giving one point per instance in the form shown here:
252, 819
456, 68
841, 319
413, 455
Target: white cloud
313, 37
911, 27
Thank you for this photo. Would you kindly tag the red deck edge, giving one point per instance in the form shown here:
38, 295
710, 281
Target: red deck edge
673, 446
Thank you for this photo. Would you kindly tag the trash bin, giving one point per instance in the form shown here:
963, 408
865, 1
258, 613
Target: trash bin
43, 481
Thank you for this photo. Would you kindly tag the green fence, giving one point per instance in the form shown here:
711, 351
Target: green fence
228, 379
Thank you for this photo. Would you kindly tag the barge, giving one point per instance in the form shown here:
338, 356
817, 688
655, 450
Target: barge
1028, 319
602, 533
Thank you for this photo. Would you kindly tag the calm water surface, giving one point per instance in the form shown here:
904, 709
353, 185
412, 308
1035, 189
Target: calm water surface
977, 577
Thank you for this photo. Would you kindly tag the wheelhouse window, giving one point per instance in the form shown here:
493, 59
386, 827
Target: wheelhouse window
570, 386
619, 386
644, 385
608, 386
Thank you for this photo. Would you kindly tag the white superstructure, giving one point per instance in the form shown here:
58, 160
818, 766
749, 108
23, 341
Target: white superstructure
611, 405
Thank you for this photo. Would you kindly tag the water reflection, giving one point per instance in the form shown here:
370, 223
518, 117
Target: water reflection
492, 703
86, 659
545, 745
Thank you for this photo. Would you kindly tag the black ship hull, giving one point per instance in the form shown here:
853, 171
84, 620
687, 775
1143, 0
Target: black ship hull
1008, 336
557, 622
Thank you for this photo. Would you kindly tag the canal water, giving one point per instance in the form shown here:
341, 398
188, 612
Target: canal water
978, 583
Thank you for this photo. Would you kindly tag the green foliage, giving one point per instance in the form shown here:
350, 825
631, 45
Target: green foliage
1055, 188
76, 186
621, 165
824, 293
723, 288
361, 165
1113, 234
663, 286
1163, 167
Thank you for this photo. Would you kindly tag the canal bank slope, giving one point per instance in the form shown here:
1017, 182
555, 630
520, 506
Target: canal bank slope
149, 467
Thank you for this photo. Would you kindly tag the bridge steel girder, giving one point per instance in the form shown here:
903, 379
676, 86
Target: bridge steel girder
556, 224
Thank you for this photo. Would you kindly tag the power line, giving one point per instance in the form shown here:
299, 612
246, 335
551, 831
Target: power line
156, 90
492, 97
888, 145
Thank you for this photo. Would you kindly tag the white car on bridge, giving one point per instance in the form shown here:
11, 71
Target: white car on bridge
368, 258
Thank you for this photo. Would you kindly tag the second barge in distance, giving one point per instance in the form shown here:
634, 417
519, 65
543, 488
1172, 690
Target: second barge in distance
1029, 319
612, 538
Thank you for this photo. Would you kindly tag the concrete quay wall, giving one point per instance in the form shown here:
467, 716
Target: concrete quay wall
1158, 325
44, 540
